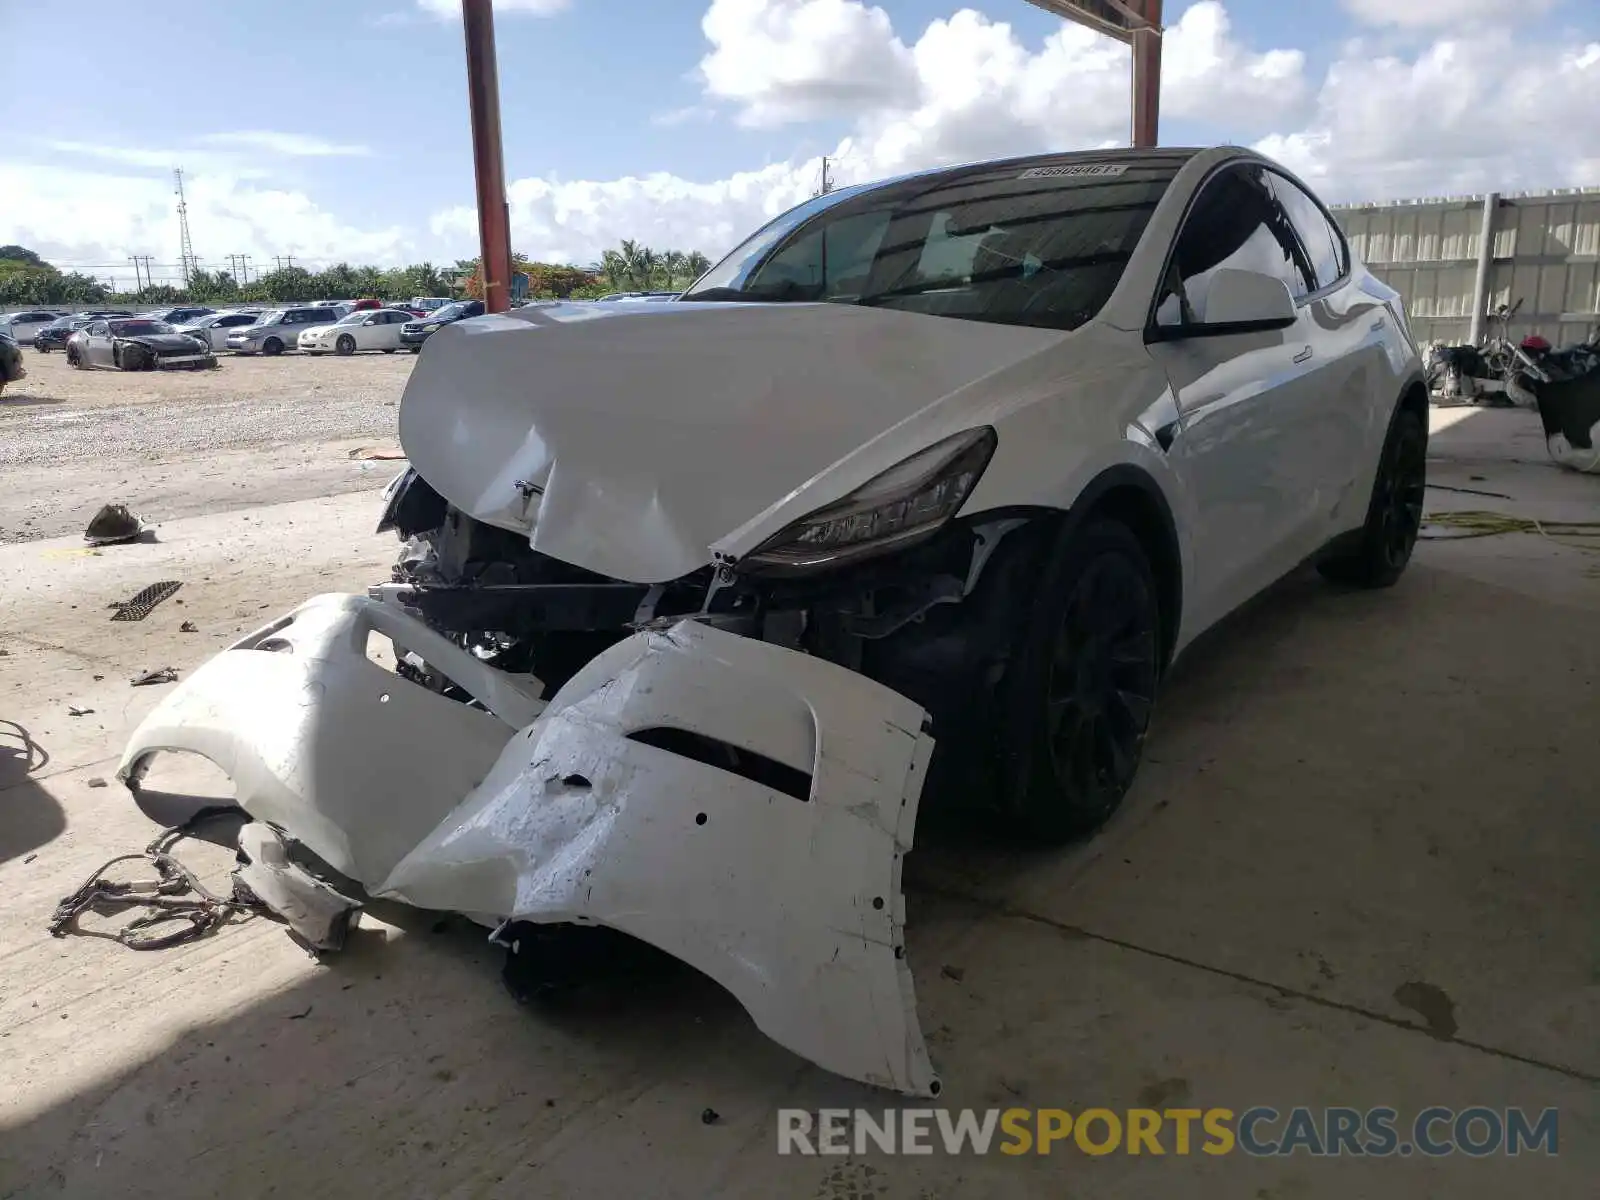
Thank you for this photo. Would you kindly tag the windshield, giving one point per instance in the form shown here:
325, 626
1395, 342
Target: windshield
1042, 246
270, 318
449, 312
139, 328
354, 318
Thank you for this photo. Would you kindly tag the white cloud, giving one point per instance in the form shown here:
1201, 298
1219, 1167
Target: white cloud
295, 145
446, 10
797, 60
1489, 112
1441, 14
95, 220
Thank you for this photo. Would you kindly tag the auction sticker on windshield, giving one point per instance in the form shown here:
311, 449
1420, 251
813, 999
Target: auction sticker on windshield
1075, 171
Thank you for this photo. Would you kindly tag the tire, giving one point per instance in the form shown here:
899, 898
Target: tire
389, 350
345, 346
272, 347
41, 349
74, 359
415, 349
129, 358
1379, 553
1076, 701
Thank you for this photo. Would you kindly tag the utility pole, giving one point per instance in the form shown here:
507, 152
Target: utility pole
827, 184
186, 259
149, 279
283, 261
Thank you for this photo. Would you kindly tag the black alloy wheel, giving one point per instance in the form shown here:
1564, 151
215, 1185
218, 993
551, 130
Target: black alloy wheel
346, 344
1394, 515
271, 347
1088, 670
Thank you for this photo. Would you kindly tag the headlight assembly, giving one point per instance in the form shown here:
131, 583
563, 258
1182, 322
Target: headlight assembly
904, 505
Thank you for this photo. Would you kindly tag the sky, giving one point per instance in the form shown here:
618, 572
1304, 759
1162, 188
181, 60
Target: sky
336, 130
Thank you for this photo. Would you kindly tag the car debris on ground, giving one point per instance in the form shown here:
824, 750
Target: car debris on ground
144, 601
158, 675
114, 523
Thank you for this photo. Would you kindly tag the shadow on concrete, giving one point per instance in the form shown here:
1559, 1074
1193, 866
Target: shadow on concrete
401, 1060
29, 815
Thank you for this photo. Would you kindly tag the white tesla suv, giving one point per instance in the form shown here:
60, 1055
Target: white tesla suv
926, 483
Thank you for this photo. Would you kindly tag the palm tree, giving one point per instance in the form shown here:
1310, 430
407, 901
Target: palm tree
672, 266
695, 265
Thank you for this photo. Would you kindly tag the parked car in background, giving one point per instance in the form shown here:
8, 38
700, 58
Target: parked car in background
366, 304
356, 331
216, 327
400, 306
427, 304
21, 326
276, 331
54, 335
617, 296
11, 368
414, 333
136, 344
106, 312
181, 316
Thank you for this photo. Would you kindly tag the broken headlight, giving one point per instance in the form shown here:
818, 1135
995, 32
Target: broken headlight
905, 504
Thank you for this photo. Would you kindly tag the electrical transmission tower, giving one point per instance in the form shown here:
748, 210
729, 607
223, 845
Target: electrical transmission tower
186, 259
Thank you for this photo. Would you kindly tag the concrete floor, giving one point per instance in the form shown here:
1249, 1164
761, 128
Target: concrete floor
1359, 868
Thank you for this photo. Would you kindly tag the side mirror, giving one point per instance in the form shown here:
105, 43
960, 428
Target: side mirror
1237, 302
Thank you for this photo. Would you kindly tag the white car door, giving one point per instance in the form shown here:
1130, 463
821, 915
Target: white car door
1244, 446
1356, 330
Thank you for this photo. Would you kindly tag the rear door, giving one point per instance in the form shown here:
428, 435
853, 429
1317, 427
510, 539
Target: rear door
1246, 401
1348, 327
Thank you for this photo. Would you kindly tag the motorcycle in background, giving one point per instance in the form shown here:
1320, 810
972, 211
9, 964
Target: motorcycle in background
1486, 374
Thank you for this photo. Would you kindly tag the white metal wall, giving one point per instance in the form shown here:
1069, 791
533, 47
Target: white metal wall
1545, 251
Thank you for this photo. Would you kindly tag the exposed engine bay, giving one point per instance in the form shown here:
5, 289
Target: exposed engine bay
892, 619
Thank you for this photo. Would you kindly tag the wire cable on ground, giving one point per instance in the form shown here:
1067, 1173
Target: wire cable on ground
1474, 523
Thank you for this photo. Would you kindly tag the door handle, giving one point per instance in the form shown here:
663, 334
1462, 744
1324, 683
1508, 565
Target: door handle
1303, 355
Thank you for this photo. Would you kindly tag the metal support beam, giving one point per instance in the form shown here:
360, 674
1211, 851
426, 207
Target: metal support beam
488, 156
1480, 284
1147, 75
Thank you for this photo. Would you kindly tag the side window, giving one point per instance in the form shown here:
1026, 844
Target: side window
230, 322
1323, 244
1234, 225
99, 329
828, 263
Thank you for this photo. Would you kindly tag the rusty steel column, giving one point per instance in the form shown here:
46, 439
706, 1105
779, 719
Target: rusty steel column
1147, 74
488, 156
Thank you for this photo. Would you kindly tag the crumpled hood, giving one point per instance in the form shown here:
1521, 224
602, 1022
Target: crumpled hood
626, 439
161, 341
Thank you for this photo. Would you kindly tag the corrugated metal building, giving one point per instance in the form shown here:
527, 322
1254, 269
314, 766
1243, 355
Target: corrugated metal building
1543, 248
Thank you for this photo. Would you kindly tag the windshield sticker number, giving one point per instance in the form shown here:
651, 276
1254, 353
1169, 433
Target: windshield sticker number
1076, 171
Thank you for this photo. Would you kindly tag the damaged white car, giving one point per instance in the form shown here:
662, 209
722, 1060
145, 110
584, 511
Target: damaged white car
913, 498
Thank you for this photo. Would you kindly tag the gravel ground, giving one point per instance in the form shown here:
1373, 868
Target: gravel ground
175, 443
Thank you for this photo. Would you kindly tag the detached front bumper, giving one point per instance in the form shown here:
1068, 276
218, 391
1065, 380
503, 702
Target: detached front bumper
740, 806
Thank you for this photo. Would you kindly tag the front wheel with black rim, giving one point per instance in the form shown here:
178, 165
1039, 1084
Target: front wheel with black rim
1381, 550
346, 345
272, 346
74, 358
1077, 699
